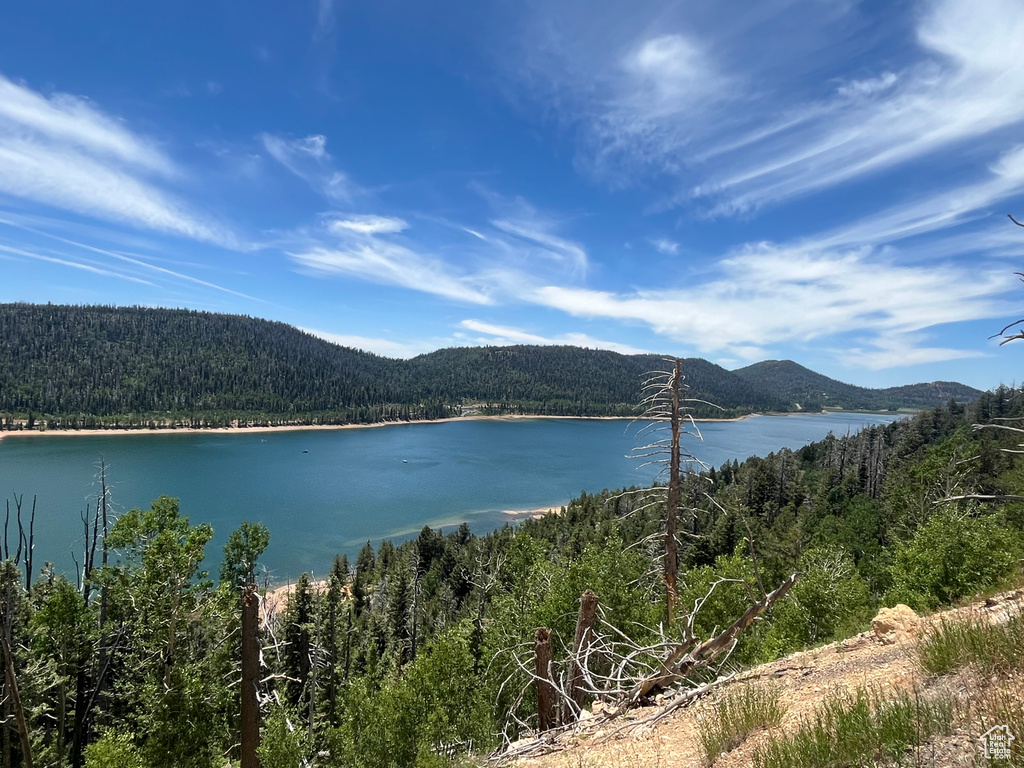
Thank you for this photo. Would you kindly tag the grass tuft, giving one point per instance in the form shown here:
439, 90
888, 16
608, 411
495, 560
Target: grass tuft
859, 729
738, 713
992, 648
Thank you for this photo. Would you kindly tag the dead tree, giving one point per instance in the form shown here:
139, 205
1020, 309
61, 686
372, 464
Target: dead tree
663, 406
630, 674
250, 705
543, 659
581, 646
15, 698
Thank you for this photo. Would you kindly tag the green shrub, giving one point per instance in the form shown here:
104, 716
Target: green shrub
953, 555
831, 600
114, 749
437, 699
280, 746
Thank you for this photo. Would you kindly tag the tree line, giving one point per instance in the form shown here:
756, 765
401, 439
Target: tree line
91, 367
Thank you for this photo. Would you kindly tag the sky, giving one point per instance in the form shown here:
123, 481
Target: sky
825, 181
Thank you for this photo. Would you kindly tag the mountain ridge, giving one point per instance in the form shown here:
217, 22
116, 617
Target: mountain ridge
83, 366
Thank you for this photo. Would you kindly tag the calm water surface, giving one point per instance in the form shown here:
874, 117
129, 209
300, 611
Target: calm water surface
359, 484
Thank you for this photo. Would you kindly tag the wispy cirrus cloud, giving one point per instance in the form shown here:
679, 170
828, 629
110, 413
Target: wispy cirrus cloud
966, 83
828, 293
665, 246
504, 335
377, 345
937, 210
64, 152
728, 106
309, 159
895, 352
535, 236
124, 265
84, 266
497, 262
367, 225
359, 246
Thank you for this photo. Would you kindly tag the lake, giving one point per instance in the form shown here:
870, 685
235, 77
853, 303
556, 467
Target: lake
330, 491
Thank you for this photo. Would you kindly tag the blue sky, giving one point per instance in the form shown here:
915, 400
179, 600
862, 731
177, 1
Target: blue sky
819, 180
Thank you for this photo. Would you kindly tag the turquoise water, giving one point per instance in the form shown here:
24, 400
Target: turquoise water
327, 492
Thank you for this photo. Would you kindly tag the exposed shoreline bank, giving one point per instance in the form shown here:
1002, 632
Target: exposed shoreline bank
321, 427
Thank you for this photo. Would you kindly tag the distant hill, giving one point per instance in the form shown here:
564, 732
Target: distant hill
796, 384
133, 366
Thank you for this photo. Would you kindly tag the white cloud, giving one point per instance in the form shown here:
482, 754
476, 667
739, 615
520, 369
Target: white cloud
503, 335
729, 106
900, 352
868, 87
73, 122
934, 212
140, 263
967, 83
670, 72
367, 225
355, 246
665, 246
62, 151
768, 295
324, 19
535, 235
308, 159
83, 266
378, 346
552, 246
66, 179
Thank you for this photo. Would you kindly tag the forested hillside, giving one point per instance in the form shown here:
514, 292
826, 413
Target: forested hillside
84, 367
792, 383
415, 644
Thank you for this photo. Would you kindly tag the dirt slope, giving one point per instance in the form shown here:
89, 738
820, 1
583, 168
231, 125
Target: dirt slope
804, 678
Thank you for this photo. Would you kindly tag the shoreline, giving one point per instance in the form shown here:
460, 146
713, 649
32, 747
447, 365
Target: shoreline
124, 431
518, 515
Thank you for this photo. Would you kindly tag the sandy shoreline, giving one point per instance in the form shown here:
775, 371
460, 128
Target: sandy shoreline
536, 514
309, 427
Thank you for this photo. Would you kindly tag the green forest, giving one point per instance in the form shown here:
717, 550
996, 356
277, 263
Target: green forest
89, 367
414, 651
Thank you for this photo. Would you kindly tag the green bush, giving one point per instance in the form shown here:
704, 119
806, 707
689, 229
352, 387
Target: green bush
114, 749
280, 746
438, 699
953, 555
830, 600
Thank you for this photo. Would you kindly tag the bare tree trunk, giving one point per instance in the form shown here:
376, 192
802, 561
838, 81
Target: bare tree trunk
543, 657
348, 645
31, 547
672, 504
415, 611
313, 667
19, 712
250, 679
584, 637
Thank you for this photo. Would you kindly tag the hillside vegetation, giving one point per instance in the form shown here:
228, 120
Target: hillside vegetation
85, 367
419, 644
